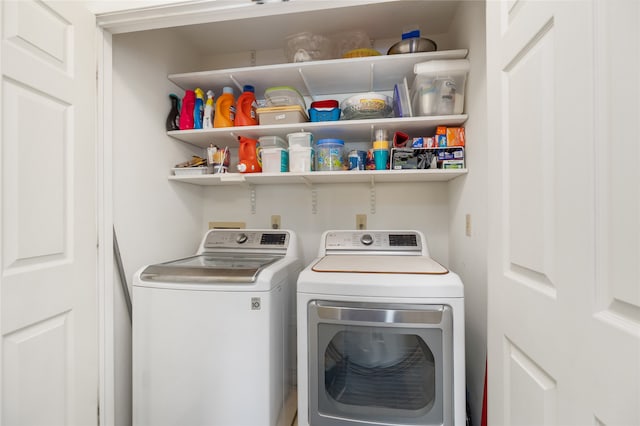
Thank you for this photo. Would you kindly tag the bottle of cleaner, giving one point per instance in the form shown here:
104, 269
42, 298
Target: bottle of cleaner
186, 112
198, 110
246, 107
225, 109
207, 120
173, 119
249, 156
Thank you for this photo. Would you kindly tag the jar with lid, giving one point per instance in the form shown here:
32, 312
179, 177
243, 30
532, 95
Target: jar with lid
330, 155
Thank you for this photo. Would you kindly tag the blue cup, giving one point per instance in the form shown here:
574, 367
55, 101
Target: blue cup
381, 158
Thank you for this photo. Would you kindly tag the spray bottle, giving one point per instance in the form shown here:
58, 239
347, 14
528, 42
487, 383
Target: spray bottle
198, 109
207, 120
225, 109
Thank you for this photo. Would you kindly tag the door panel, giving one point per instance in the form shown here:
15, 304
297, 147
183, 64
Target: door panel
564, 202
48, 287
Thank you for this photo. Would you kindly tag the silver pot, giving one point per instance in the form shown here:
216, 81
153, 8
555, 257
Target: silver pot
413, 45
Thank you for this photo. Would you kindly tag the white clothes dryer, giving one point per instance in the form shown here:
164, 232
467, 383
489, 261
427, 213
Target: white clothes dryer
380, 334
214, 333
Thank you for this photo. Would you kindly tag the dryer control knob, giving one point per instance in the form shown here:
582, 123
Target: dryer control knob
366, 239
241, 238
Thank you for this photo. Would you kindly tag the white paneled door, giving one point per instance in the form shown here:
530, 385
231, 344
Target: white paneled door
48, 295
564, 208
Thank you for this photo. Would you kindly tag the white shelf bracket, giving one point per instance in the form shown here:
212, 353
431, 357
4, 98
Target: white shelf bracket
371, 77
236, 82
306, 84
252, 198
372, 196
314, 200
314, 195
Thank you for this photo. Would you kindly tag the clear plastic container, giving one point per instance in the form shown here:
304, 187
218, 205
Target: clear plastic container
367, 105
275, 160
272, 142
302, 139
284, 96
330, 155
301, 159
438, 88
306, 46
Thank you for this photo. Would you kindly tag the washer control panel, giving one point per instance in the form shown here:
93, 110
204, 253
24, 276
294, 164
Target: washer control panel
245, 239
373, 241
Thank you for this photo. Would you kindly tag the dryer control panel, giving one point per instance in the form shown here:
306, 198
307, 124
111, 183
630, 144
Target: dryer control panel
378, 241
246, 239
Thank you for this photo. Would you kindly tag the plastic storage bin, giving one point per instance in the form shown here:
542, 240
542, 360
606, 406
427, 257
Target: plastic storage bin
301, 158
438, 88
282, 115
324, 111
284, 96
272, 142
330, 155
275, 160
367, 105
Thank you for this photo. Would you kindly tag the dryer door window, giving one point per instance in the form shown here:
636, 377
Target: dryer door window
380, 363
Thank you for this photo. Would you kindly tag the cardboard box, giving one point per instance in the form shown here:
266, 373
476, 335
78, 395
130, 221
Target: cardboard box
426, 158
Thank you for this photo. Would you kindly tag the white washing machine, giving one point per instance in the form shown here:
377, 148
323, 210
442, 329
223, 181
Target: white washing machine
214, 334
380, 334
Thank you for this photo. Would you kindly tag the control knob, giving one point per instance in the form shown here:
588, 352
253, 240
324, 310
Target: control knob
241, 238
366, 239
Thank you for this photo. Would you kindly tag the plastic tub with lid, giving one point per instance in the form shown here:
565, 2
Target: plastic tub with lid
284, 96
303, 139
301, 158
272, 142
275, 160
367, 105
330, 155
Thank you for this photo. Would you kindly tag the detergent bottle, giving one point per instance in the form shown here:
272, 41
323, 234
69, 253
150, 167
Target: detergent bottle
225, 109
186, 113
198, 109
248, 156
207, 120
246, 107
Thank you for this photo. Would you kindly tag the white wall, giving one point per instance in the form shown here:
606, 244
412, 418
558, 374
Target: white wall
468, 195
398, 206
155, 220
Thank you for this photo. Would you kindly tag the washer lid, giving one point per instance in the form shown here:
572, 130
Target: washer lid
384, 264
211, 268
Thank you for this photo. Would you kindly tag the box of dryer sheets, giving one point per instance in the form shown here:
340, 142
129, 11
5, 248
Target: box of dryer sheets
427, 158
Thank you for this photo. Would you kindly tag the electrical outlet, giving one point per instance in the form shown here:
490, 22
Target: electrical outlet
275, 221
467, 225
361, 221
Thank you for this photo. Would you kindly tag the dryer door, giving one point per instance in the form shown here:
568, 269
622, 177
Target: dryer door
380, 363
